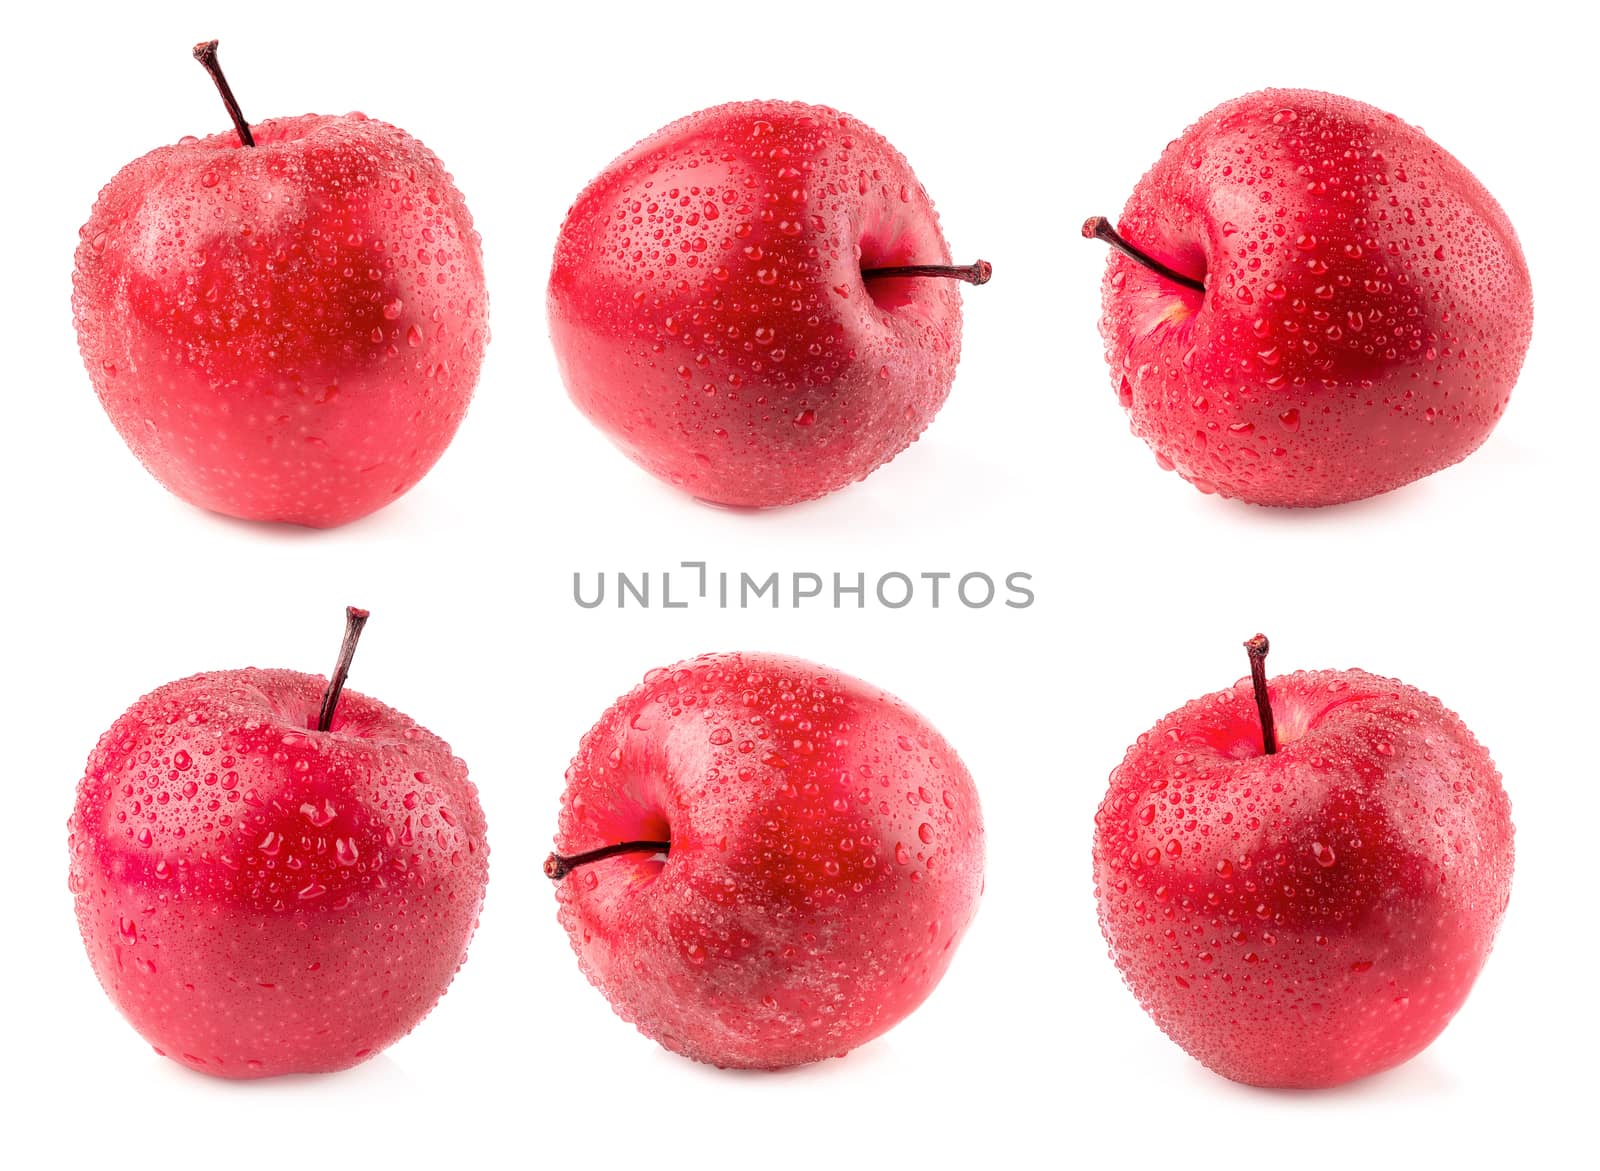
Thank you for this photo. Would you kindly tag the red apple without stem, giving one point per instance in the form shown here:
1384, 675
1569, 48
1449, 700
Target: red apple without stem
1313, 303
756, 303
284, 322
273, 875
763, 862
1300, 880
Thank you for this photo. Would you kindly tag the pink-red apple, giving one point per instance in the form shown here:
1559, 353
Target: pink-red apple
756, 303
285, 321
1311, 303
1301, 878
272, 874
762, 862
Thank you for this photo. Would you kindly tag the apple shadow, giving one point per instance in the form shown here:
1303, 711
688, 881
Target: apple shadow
395, 518
875, 1053
380, 1074
1407, 498
930, 477
1421, 1077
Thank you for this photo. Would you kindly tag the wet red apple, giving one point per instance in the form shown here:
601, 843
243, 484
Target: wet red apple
756, 303
283, 321
273, 874
1301, 878
762, 862
1311, 302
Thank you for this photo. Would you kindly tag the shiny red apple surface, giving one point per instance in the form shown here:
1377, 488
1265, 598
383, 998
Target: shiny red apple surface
1365, 306
259, 896
286, 331
762, 862
723, 308
1312, 915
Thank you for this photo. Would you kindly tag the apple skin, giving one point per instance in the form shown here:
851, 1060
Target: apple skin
1366, 313
1313, 916
289, 332
261, 898
827, 857
709, 314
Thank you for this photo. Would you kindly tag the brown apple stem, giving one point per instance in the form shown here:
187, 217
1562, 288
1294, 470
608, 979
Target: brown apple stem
558, 866
354, 620
1099, 228
206, 53
1257, 648
977, 273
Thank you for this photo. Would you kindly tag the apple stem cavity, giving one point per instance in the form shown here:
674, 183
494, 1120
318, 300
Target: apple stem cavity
1099, 228
558, 866
354, 620
977, 273
206, 53
1257, 648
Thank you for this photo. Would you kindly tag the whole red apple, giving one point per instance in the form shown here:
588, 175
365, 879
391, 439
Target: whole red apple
273, 875
763, 862
285, 322
1301, 879
1314, 303
756, 303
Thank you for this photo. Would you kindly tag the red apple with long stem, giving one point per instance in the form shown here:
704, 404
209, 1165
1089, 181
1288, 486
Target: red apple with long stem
1300, 878
762, 862
284, 321
1311, 302
273, 874
756, 303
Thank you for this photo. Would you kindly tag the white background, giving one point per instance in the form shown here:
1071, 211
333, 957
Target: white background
1475, 584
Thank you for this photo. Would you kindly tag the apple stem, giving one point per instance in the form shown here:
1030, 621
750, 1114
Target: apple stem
354, 620
1099, 228
1257, 648
977, 273
558, 866
206, 53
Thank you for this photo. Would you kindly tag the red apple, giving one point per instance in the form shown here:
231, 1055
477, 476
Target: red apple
1301, 879
749, 303
1314, 303
763, 862
273, 875
284, 323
